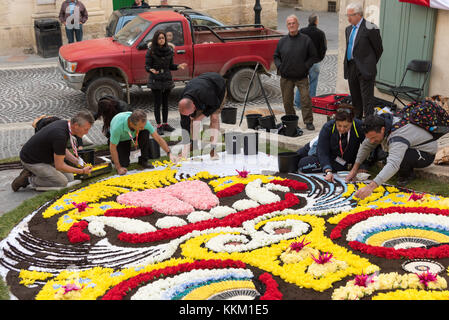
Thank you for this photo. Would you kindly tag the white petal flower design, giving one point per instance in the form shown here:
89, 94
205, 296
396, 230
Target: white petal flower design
244, 204
121, 224
276, 187
169, 222
221, 211
256, 192
199, 216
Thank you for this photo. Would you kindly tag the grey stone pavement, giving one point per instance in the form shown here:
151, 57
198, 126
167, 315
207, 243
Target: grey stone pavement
31, 86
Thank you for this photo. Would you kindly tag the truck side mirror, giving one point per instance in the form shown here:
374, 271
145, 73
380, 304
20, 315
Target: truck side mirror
142, 46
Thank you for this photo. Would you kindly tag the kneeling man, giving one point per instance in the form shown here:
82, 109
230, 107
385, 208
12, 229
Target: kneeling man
43, 155
408, 147
130, 131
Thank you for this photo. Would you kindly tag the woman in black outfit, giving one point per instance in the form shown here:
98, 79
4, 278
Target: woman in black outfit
108, 108
159, 63
337, 146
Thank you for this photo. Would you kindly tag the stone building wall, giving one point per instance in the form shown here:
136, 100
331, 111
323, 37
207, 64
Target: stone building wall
17, 17
310, 5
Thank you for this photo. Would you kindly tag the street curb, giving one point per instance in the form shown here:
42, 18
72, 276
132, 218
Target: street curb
21, 66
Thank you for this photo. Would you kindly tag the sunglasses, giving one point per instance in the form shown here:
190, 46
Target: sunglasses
340, 110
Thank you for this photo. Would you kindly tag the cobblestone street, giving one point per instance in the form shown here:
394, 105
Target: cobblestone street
30, 92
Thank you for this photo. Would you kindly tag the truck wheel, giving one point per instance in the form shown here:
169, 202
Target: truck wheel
102, 87
238, 85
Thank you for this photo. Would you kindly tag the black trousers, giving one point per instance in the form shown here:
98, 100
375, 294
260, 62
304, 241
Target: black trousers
306, 163
161, 98
311, 164
414, 159
124, 149
362, 92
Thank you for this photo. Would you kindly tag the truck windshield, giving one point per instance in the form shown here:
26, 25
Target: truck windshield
132, 31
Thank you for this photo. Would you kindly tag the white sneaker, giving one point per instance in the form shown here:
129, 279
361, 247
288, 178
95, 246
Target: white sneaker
70, 184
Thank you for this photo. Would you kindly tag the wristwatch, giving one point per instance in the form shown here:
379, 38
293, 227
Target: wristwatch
328, 171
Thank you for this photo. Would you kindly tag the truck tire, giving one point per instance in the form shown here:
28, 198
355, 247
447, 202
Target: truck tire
238, 83
102, 87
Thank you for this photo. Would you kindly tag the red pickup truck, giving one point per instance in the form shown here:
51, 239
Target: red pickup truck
109, 66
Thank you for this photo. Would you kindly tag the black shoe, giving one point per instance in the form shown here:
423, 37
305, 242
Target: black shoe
405, 180
160, 130
146, 165
310, 126
168, 127
21, 181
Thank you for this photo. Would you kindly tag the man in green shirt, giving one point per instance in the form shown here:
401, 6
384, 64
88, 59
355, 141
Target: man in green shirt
130, 132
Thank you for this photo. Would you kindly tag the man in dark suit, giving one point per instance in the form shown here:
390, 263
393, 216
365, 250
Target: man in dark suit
363, 51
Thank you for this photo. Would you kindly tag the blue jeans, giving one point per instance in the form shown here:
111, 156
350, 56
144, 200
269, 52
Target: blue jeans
314, 72
74, 33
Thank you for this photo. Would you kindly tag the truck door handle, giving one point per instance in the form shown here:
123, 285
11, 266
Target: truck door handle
180, 51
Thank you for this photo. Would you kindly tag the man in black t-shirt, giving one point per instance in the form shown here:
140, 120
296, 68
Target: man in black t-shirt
43, 155
44, 120
202, 97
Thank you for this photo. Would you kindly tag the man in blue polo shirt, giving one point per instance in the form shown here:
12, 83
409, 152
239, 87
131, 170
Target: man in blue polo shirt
130, 132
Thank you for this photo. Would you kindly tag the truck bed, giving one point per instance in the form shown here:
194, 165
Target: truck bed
232, 34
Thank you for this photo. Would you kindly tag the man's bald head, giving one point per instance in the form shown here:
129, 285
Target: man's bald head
186, 106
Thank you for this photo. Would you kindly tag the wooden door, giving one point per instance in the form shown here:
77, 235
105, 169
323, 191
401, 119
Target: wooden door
407, 32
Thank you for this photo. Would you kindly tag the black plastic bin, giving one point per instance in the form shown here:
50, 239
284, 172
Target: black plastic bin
253, 120
288, 162
267, 122
290, 123
229, 115
48, 37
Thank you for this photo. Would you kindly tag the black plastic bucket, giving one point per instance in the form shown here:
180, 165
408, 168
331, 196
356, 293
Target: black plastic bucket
229, 115
290, 122
155, 149
267, 122
88, 155
251, 143
253, 120
233, 142
288, 162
